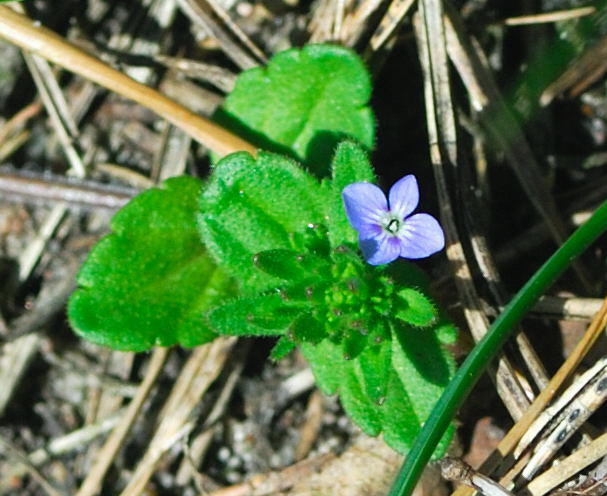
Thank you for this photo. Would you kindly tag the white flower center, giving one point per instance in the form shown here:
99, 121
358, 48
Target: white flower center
391, 224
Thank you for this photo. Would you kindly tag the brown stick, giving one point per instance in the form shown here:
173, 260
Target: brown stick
23, 32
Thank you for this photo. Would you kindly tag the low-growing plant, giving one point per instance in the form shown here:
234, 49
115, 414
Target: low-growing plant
266, 246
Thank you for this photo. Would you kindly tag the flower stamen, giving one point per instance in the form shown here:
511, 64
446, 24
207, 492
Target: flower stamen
393, 226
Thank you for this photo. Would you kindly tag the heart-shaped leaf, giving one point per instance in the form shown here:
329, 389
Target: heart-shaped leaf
304, 103
151, 281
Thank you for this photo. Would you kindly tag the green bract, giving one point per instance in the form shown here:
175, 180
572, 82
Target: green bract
368, 332
150, 281
303, 103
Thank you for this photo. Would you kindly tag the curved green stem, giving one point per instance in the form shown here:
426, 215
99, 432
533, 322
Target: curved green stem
486, 349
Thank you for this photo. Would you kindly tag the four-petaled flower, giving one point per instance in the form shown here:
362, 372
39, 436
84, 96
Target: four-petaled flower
386, 228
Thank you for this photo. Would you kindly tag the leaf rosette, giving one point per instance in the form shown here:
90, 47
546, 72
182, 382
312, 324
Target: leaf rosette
370, 333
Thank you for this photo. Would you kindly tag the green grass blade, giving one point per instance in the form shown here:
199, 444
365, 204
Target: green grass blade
475, 364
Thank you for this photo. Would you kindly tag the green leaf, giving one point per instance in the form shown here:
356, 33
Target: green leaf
150, 281
423, 366
323, 358
252, 205
289, 265
350, 165
303, 104
265, 315
375, 364
282, 348
354, 343
306, 329
446, 332
390, 386
415, 308
359, 407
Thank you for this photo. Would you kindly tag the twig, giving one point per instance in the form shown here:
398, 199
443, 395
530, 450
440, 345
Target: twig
36, 188
456, 470
30, 36
276, 482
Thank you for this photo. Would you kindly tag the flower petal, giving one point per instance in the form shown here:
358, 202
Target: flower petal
365, 203
404, 196
381, 249
421, 236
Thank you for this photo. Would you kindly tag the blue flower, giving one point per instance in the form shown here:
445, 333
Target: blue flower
386, 228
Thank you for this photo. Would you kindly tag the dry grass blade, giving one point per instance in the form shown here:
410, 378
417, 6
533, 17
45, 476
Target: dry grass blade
236, 31
216, 75
105, 457
197, 448
553, 410
509, 442
56, 106
390, 22
443, 150
584, 71
504, 129
59, 446
196, 11
568, 467
355, 23
569, 308
555, 16
30, 36
199, 372
16, 123
18, 456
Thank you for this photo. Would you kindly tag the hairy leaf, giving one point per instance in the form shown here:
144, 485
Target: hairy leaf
390, 386
150, 281
282, 348
307, 329
415, 308
303, 104
266, 315
252, 205
289, 264
350, 165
